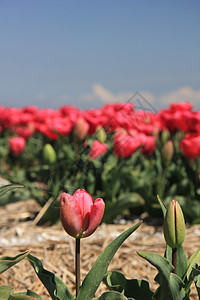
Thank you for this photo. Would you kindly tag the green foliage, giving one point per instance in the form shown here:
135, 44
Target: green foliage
112, 296
7, 293
170, 284
134, 288
6, 261
181, 259
139, 177
54, 285
96, 274
9, 187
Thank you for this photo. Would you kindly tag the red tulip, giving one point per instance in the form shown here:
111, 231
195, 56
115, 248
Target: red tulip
80, 214
124, 144
97, 149
190, 145
17, 145
148, 144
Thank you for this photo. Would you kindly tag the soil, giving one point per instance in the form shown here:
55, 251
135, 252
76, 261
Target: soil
18, 232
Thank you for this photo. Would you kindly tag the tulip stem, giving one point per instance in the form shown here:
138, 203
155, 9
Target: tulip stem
174, 259
77, 266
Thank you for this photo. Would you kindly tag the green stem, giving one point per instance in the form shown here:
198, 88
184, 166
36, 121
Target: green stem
77, 266
197, 175
174, 259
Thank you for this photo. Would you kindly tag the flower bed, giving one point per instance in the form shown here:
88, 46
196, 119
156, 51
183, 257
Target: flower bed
125, 156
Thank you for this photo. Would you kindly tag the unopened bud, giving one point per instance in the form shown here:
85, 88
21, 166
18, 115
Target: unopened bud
49, 154
81, 129
174, 225
167, 151
165, 136
100, 134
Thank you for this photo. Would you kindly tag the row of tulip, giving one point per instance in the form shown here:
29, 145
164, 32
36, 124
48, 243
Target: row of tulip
125, 155
133, 129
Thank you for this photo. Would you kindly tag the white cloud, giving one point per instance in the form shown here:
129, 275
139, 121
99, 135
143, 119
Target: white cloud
100, 93
144, 100
183, 94
103, 95
147, 101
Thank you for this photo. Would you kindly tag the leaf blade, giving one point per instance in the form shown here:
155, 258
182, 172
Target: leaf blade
54, 285
95, 275
7, 262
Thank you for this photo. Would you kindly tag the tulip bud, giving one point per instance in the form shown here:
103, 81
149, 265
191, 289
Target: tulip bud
49, 154
174, 225
167, 151
81, 129
100, 134
80, 214
164, 136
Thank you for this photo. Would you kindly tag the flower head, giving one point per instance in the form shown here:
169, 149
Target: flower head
80, 214
174, 225
97, 149
17, 145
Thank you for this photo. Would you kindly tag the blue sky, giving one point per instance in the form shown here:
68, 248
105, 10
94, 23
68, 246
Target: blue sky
88, 53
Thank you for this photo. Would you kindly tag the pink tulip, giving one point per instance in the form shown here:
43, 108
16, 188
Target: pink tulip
97, 149
80, 214
17, 145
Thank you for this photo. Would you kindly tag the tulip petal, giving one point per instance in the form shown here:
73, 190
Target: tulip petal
70, 214
96, 215
85, 202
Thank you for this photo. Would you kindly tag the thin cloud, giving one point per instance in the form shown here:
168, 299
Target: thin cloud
99, 96
100, 93
183, 94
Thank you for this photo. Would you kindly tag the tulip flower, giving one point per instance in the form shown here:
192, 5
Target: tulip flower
174, 225
17, 145
97, 149
80, 214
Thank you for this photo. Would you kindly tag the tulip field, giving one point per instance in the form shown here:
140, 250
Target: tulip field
123, 155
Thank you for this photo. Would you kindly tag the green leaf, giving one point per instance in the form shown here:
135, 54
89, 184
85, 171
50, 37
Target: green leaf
162, 205
111, 296
135, 288
6, 261
7, 293
197, 280
194, 259
9, 187
54, 285
95, 275
194, 276
33, 294
181, 260
170, 284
